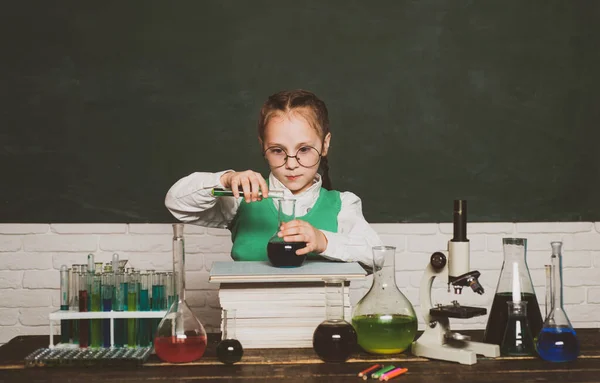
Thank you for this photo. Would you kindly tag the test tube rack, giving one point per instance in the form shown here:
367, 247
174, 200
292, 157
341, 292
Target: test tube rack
67, 357
59, 315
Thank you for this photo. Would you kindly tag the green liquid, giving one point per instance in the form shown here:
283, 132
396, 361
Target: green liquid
96, 326
385, 334
131, 323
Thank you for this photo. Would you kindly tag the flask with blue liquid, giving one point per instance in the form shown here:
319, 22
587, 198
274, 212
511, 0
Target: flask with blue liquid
557, 342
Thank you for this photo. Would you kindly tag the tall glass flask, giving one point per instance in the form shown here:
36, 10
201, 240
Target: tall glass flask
229, 349
517, 340
514, 285
334, 340
557, 342
384, 319
281, 253
180, 336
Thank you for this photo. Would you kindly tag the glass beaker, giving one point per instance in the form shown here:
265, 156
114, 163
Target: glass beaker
229, 349
180, 337
514, 281
557, 342
280, 253
517, 339
334, 340
384, 319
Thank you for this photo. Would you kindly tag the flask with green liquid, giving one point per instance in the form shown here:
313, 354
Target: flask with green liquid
384, 319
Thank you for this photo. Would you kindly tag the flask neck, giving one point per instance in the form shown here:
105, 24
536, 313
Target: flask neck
556, 298
286, 210
179, 261
384, 273
229, 319
334, 300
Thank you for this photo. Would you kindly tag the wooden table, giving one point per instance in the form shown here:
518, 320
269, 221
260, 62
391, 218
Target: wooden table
302, 365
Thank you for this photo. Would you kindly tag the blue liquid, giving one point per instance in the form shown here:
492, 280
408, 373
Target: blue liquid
143, 337
106, 306
558, 344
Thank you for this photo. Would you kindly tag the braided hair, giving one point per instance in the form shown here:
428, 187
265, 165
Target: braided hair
309, 106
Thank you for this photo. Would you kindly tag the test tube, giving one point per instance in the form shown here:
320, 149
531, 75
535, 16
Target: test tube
132, 301
84, 324
120, 297
158, 299
115, 262
65, 333
143, 338
74, 302
90, 264
108, 281
96, 306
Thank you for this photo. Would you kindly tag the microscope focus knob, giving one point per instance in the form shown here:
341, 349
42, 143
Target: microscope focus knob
438, 260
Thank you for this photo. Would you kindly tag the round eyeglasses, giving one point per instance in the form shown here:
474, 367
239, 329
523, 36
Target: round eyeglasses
307, 156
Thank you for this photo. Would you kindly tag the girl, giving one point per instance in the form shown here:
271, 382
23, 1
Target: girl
293, 131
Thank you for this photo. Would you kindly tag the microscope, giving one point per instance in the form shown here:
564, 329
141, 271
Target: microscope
438, 342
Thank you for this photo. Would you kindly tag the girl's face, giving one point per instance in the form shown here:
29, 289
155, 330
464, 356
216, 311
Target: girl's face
291, 134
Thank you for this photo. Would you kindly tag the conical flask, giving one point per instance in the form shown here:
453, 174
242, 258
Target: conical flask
384, 319
281, 253
517, 340
334, 340
514, 285
180, 337
557, 342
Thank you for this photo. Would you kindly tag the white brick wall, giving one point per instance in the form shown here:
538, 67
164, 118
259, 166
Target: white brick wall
31, 255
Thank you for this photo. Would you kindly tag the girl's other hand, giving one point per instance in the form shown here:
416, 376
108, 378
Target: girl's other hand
249, 181
302, 231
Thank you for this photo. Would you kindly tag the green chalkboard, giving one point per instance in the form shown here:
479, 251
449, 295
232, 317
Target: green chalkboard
104, 105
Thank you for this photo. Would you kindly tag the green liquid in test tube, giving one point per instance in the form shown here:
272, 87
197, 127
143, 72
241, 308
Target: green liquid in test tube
120, 299
143, 339
132, 301
96, 325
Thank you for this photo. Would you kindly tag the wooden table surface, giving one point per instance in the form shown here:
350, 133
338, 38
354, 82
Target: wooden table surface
302, 365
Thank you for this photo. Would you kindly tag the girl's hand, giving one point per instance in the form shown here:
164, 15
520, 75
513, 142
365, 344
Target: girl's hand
302, 231
250, 182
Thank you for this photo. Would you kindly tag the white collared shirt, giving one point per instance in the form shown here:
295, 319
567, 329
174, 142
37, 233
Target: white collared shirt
190, 201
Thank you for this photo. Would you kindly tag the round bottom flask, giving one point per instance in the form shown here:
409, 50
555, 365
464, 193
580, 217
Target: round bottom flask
334, 340
280, 253
229, 349
384, 319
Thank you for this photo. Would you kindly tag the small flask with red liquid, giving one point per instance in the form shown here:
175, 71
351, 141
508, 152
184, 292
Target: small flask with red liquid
180, 337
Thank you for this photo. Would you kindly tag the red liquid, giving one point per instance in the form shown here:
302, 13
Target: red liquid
173, 350
84, 324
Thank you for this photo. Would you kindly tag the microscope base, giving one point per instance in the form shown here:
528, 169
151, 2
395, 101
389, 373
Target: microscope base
465, 353
437, 343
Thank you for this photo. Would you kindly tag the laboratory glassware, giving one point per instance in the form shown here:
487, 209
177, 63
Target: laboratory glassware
557, 341
143, 338
74, 301
517, 339
229, 349
96, 298
180, 336
84, 324
334, 340
384, 319
279, 252
514, 280
65, 325
108, 282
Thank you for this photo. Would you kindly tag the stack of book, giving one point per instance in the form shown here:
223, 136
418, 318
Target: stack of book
278, 307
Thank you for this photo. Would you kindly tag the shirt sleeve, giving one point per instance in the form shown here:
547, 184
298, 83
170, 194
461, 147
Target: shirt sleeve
355, 237
190, 201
